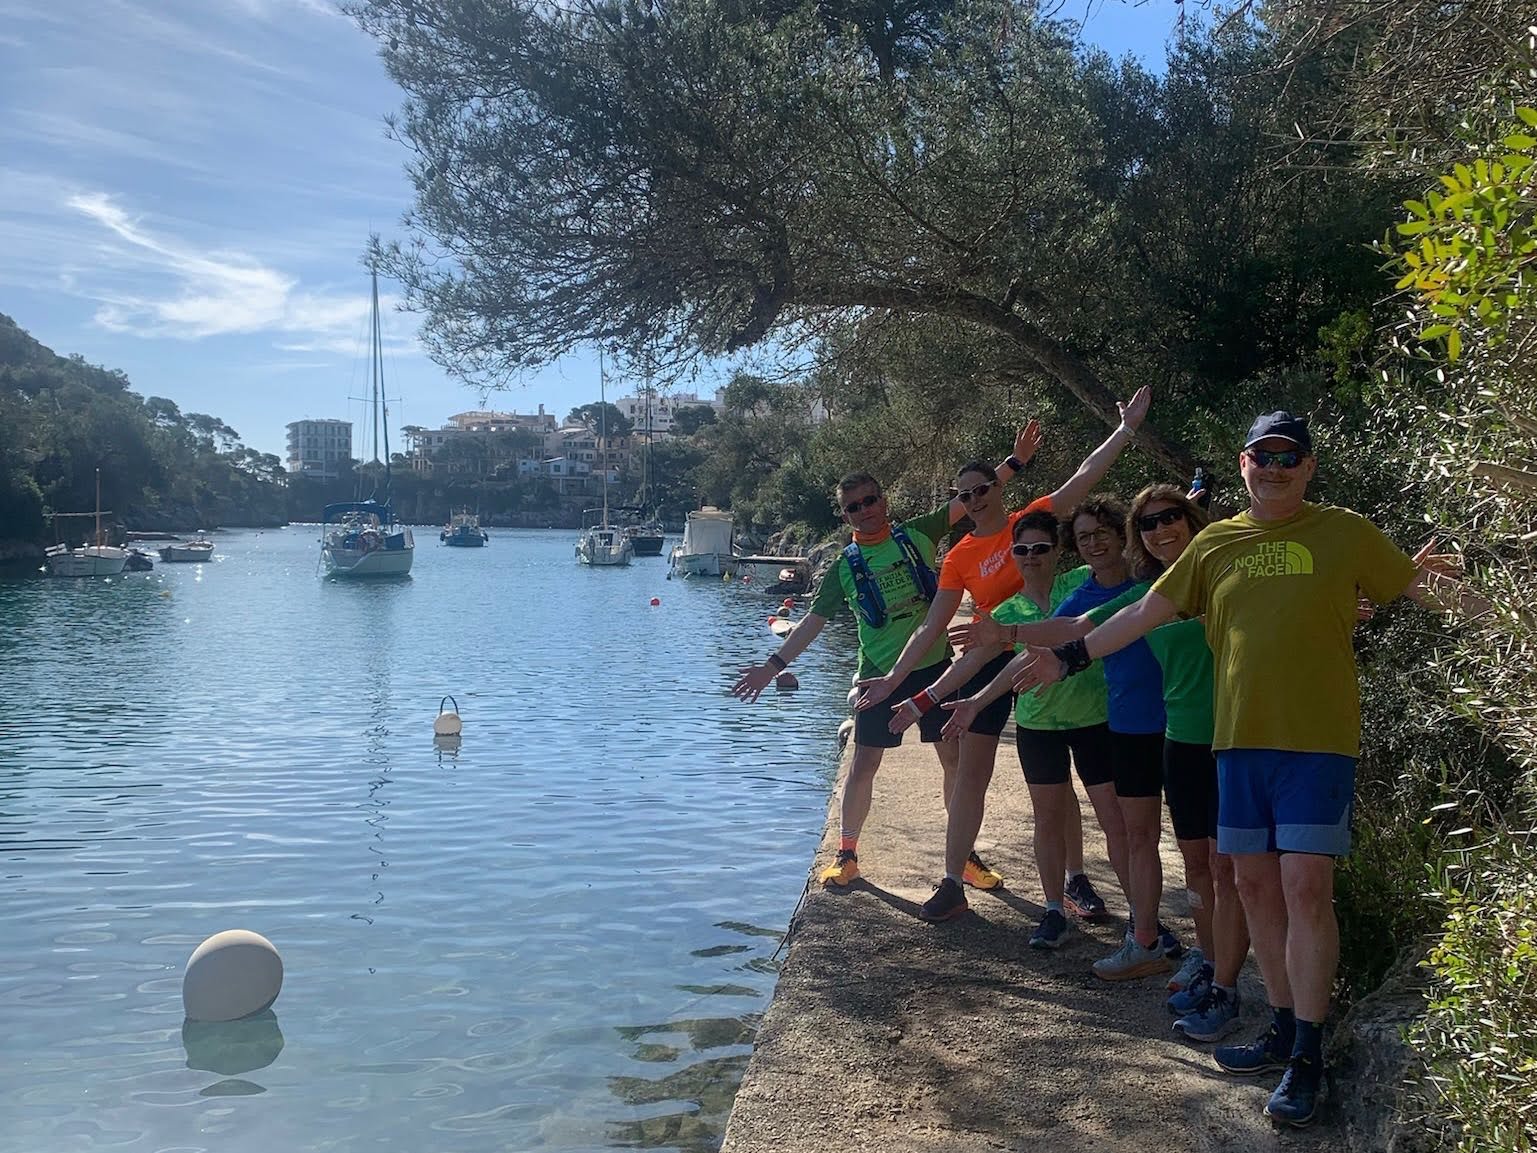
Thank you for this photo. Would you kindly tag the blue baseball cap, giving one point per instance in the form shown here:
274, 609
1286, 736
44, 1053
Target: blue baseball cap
1282, 426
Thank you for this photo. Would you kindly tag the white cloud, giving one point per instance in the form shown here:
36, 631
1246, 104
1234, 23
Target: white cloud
165, 287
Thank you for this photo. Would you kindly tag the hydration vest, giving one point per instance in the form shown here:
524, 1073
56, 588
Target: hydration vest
872, 605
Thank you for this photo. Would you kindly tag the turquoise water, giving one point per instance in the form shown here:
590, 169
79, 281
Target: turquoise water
558, 936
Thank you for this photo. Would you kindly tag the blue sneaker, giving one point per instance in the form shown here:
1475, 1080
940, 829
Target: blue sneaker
1169, 943
1194, 963
1262, 1056
1295, 1101
1080, 897
1192, 998
1214, 1020
1050, 932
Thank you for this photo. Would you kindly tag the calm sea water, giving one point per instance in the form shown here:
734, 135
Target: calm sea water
557, 937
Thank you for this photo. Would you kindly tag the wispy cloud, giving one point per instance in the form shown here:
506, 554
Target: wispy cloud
174, 289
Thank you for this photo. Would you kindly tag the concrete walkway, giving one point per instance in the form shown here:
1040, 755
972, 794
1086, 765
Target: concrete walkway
891, 1035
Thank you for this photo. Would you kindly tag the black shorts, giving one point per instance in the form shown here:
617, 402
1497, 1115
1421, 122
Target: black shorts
872, 727
990, 721
1190, 788
1138, 764
1043, 755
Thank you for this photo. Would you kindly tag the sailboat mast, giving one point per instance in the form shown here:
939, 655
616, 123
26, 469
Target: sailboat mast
603, 435
98, 508
381, 409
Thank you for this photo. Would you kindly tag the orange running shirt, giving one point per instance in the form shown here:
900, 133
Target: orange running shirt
984, 566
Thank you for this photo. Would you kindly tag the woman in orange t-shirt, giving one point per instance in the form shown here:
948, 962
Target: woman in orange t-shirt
981, 564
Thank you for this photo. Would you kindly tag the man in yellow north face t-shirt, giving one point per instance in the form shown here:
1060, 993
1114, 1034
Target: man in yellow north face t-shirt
1277, 587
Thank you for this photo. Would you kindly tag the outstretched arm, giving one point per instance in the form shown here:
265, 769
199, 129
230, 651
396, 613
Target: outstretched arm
754, 680
1026, 442
985, 631
907, 713
1098, 462
1047, 666
941, 609
963, 712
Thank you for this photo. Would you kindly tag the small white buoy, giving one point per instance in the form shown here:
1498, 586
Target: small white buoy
787, 680
853, 696
845, 731
231, 975
447, 723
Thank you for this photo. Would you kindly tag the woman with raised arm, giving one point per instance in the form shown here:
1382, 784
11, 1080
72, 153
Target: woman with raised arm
980, 565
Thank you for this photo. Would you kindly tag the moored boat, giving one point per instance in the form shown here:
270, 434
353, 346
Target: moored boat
706, 548
194, 551
86, 560
463, 531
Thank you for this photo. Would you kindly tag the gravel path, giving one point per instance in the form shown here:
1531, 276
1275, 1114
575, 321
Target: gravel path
891, 1035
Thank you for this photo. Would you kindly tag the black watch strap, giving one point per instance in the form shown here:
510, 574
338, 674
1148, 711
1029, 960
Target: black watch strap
1074, 657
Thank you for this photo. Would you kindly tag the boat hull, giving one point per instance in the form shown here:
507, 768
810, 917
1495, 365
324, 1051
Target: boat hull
647, 545
186, 554
388, 560
465, 541
91, 561
694, 564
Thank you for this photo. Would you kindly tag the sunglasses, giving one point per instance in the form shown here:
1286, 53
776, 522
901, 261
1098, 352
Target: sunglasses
967, 495
1291, 458
860, 505
1036, 548
1149, 521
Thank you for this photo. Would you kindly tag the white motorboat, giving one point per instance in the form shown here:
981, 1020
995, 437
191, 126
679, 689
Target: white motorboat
706, 547
602, 543
361, 538
86, 560
194, 551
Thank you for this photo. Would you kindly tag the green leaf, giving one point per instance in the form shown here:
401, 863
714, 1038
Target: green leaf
1520, 141
1414, 228
1418, 208
1528, 116
1453, 345
1464, 175
1435, 331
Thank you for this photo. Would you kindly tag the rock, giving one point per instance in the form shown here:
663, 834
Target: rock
1369, 1064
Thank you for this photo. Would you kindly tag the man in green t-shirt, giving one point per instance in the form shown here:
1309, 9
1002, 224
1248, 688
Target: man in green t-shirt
1277, 588
888, 600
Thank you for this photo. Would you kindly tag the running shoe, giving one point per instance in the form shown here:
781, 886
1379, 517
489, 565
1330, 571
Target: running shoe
947, 903
1131, 961
1195, 961
1295, 1101
1080, 897
978, 875
844, 870
1212, 1021
1169, 943
1261, 1056
1050, 932
1192, 998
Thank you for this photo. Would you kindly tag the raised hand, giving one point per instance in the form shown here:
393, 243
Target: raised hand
1043, 668
981, 631
1134, 412
752, 682
1027, 442
873, 691
962, 713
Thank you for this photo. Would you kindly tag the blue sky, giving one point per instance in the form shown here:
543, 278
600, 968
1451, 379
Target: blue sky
186, 187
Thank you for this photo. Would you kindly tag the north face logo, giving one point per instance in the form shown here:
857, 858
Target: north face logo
1276, 558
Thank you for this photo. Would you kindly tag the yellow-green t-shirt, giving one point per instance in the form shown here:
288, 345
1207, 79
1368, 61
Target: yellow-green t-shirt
1279, 598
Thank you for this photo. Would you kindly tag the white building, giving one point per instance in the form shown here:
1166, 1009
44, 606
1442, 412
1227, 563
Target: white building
479, 442
663, 408
319, 448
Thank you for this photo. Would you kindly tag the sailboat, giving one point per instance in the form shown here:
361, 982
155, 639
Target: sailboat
98, 559
361, 538
603, 543
646, 533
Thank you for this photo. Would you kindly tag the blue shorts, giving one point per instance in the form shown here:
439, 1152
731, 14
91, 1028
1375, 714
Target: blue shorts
1270, 801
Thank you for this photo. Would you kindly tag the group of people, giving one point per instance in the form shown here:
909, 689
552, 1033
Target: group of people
1206, 665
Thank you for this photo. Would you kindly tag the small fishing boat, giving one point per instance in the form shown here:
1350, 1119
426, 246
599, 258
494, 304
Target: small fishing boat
463, 531
706, 549
194, 551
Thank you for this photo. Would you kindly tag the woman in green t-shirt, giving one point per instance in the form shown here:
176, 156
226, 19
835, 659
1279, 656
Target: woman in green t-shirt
1161, 524
1067, 717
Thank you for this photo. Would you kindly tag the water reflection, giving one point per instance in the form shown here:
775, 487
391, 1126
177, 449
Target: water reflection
229, 1048
709, 1086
